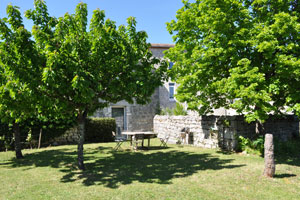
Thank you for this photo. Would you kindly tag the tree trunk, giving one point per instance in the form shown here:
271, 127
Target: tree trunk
16, 130
40, 137
81, 129
259, 128
269, 156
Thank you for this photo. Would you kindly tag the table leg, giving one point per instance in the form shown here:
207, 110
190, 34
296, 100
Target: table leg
134, 145
131, 140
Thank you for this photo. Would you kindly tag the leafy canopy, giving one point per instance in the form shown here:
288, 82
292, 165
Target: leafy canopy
103, 62
242, 50
18, 68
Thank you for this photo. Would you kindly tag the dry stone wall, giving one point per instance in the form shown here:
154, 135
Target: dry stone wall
71, 136
218, 131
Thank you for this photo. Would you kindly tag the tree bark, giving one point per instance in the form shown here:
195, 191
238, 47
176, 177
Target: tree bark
40, 137
81, 130
269, 156
259, 128
18, 149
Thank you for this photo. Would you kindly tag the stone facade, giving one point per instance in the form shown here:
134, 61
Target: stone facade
136, 117
140, 117
212, 131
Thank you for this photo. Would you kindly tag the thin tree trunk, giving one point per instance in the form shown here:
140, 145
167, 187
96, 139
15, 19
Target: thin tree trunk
259, 128
16, 130
269, 156
81, 129
40, 137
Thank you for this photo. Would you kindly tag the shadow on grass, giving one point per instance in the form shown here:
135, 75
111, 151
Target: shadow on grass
288, 159
284, 175
288, 152
112, 169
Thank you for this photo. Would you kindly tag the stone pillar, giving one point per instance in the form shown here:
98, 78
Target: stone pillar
269, 156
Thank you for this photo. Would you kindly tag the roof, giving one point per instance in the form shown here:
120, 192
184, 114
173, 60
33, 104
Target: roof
157, 45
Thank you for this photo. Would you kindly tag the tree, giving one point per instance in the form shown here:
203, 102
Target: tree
85, 69
18, 70
240, 54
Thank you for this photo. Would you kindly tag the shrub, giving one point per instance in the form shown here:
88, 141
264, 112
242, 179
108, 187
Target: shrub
6, 137
167, 111
247, 145
51, 128
30, 129
100, 129
178, 110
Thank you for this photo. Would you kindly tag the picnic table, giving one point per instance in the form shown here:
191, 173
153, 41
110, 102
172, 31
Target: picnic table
138, 137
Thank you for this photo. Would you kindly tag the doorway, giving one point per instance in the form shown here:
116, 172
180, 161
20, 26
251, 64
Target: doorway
119, 114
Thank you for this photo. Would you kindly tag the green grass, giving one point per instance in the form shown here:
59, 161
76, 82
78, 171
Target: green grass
175, 172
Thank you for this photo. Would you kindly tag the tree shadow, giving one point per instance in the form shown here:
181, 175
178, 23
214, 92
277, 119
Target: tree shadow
113, 168
288, 152
288, 160
284, 175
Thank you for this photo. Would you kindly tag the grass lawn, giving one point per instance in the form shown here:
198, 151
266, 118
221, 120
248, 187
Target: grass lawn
175, 172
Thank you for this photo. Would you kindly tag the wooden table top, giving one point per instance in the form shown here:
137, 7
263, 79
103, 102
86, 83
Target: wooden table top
138, 133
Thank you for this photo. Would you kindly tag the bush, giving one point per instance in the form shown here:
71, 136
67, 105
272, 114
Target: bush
6, 137
51, 129
281, 148
247, 145
167, 111
30, 130
100, 129
178, 110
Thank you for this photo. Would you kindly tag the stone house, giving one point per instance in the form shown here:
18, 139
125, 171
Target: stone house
205, 131
133, 117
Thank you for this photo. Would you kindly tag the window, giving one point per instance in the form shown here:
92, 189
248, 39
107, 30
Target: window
171, 65
171, 91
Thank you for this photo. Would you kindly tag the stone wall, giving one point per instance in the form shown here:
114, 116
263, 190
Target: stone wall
140, 117
69, 137
214, 131
137, 117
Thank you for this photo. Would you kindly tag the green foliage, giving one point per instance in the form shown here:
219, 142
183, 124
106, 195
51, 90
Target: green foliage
237, 54
247, 145
52, 127
100, 130
84, 64
177, 110
6, 139
226, 123
18, 69
166, 111
30, 130
158, 110
29, 136
65, 68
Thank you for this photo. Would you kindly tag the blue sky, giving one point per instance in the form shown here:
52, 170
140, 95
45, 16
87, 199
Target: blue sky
151, 15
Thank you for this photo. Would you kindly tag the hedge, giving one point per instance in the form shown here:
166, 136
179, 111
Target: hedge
51, 129
99, 130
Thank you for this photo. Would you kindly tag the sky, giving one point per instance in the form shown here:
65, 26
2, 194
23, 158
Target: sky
151, 15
